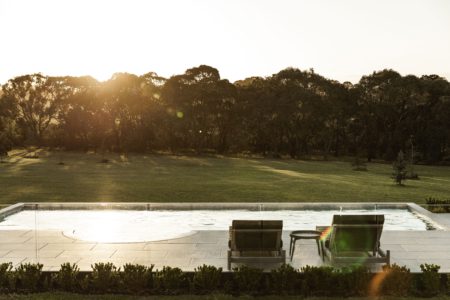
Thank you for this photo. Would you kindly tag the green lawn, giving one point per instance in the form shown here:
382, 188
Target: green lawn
164, 178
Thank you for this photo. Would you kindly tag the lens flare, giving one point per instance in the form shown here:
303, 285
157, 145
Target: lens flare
326, 233
376, 282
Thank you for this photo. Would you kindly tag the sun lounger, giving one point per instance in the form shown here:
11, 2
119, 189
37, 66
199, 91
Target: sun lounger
256, 242
354, 239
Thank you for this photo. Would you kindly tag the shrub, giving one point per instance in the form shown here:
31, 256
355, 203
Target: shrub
311, 281
206, 279
170, 280
399, 167
67, 277
317, 281
438, 205
136, 278
247, 279
284, 280
6, 277
353, 281
429, 281
397, 281
446, 283
28, 277
104, 277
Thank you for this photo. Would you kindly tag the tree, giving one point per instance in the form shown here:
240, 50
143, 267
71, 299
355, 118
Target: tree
399, 167
432, 124
292, 112
411, 174
199, 108
132, 102
36, 98
5, 146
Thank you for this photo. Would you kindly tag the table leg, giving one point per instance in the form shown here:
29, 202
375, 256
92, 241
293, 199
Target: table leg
293, 249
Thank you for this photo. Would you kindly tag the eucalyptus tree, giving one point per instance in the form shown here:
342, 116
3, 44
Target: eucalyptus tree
339, 108
8, 124
81, 114
199, 106
36, 99
133, 104
154, 118
287, 111
432, 131
254, 111
392, 108
377, 93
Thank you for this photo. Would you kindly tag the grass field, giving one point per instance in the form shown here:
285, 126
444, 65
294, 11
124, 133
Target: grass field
164, 178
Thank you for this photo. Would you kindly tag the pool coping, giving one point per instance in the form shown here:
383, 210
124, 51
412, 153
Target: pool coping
255, 206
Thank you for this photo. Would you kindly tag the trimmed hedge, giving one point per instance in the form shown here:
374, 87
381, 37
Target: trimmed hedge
309, 281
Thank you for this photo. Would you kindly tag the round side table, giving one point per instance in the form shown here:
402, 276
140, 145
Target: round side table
303, 235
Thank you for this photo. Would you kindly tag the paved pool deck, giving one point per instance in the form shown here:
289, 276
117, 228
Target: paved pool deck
52, 248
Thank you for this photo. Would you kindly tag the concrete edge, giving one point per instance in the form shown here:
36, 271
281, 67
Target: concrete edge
10, 210
213, 205
427, 216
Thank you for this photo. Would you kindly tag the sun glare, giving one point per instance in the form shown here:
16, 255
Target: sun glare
101, 75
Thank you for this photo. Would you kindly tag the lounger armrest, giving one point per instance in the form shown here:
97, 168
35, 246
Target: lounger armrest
382, 253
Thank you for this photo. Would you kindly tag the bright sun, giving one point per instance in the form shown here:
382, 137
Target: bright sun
101, 75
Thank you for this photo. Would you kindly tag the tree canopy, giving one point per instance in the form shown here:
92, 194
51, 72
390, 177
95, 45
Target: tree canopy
293, 112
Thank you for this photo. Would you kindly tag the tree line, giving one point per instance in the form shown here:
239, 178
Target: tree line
293, 113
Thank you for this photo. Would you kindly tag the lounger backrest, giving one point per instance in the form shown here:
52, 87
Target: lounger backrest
358, 219
246, 224
271, 234
250, 235
356, 232
245, 235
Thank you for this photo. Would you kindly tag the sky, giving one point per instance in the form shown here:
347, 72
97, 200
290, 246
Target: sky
339, 39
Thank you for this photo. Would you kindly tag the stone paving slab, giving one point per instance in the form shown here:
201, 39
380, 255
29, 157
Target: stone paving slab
410, 248
14, 260
128, 246
50, 262
443, 219
60, 245
140, 254
32, 253
86, 253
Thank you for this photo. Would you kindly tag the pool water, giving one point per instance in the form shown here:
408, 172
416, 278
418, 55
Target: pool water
126, 226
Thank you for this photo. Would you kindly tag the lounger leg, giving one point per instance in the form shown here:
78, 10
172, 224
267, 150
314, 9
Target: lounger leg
290, 247
293, 250
322, 248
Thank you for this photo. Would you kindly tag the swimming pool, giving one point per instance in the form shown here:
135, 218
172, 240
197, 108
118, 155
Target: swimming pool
127, 226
